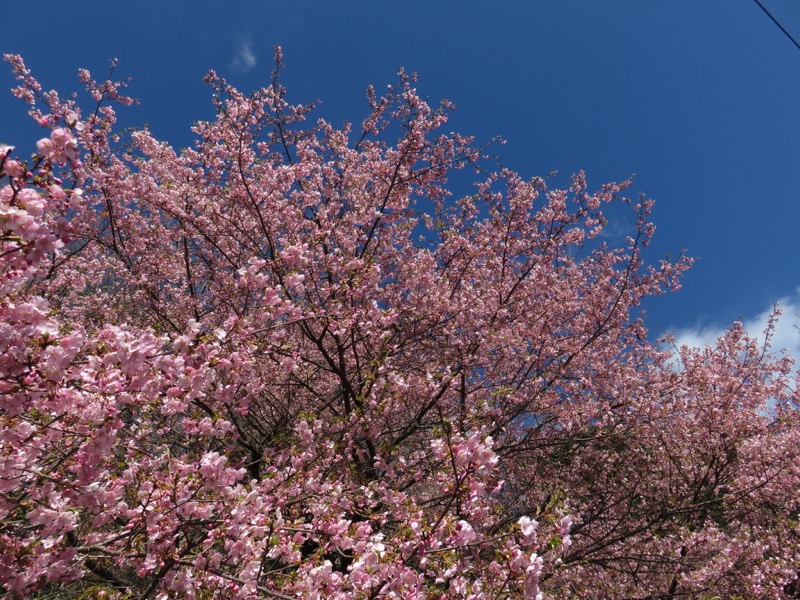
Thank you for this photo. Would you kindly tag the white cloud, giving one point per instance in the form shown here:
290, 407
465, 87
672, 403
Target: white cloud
784, 336
244, 59
617, 230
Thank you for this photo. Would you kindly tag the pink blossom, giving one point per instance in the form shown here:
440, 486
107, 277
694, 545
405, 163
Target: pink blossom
14, 168
244, 370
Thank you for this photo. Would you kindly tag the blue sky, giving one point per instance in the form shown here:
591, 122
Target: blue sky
700, 99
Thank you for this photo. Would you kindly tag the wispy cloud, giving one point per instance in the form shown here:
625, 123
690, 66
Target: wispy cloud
784, 336
244, 59
617, 230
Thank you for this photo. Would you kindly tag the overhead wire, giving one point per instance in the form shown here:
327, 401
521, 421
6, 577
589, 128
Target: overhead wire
774, 20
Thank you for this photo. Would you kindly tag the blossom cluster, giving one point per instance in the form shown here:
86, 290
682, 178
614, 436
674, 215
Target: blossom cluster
255, 368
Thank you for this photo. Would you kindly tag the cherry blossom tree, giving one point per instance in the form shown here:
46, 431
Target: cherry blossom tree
288, 363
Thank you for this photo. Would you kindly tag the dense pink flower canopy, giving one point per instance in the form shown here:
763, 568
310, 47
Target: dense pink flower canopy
288, 363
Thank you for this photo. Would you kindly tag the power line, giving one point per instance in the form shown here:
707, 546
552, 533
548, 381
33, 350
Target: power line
774, 20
